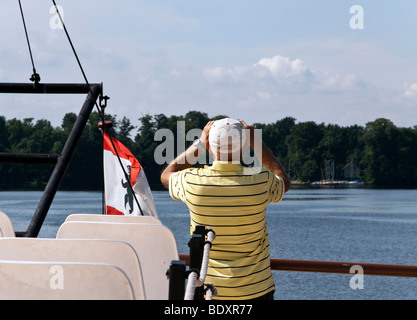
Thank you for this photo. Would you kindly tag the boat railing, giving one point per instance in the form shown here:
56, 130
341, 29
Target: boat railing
371, 269
62, 160
198, 258
200, 245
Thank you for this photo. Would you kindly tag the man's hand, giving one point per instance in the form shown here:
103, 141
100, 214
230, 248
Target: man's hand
181, 162
251, 133
206, 132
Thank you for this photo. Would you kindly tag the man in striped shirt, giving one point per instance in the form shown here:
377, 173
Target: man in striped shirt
232, 200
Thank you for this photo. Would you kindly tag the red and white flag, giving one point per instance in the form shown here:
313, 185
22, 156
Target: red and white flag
120, 200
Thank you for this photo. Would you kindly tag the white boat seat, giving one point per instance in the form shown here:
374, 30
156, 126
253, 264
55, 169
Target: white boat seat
28, 280
117, 253
154, 244
6, 226
112, 218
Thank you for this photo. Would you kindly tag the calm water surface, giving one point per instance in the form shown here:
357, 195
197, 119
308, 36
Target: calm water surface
350, 225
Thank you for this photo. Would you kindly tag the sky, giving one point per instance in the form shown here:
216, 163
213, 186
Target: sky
333, 62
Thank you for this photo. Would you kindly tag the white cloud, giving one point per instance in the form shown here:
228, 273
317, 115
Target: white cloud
264, 95
282, 74
216, 74
279, 86
327, 82
283, 67
410, 90
268, 74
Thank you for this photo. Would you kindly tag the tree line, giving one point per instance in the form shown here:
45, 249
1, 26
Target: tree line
379, 153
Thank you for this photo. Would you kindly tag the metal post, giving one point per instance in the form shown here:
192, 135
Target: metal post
62, 164
176, 276
199, 292
200, 230
196, 244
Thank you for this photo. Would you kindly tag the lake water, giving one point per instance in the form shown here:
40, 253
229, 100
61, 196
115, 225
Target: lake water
349, 225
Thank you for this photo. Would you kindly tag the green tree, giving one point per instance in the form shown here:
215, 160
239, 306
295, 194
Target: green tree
85, 170
275, 135
195, 119
407, 157
304, 152
124, 128
144, 149
18, 131
380, 152
4, 135
387, 155
353, 143
338, 146
4, 147
26, 137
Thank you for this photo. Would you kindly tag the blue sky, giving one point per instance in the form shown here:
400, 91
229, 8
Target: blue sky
258, 61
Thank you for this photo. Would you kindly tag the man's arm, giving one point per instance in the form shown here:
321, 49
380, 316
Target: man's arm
181, 162
269, 161
178, 164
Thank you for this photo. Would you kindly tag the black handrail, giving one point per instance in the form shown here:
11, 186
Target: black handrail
28, 158
47, 88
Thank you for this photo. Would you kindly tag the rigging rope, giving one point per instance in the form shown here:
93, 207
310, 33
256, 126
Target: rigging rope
35, 76
98, 109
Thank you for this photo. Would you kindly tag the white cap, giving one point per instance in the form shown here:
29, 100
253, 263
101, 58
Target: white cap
227, 137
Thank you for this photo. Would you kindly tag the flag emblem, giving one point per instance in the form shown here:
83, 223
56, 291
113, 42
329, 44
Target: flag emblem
127, 191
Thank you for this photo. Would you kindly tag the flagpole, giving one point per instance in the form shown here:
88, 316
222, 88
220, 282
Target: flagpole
103, 194
104, 127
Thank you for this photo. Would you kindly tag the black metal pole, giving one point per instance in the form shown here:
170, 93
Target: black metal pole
28, 158
46, 88
200, 230
62, 164
176, 274
196, 256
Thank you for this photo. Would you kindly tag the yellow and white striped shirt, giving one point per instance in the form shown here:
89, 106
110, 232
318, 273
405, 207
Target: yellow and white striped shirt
232, 201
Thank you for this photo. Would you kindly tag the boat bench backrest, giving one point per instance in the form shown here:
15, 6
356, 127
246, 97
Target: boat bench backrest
112, 218
117, 253
154, 244
28, 280
6, 227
